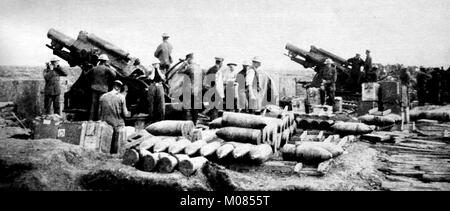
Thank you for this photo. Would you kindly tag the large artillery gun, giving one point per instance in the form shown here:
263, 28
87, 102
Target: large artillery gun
84, 52
315, 59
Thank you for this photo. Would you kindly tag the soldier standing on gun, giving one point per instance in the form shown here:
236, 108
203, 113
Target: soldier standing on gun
52, 89
99, 77
113, 110
156, 101
328, 86
163, 53
355, 73
370, 75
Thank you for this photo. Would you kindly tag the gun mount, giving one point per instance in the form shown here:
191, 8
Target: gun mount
84, 52
315, 59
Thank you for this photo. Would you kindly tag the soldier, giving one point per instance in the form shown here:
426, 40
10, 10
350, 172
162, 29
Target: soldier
242, 88
213, 81
422, 79
113, 110
370, 75
228, 76
328, 86
156, 100
253, 84
192, 87
99, 77
52, 89
355, 73
163, 53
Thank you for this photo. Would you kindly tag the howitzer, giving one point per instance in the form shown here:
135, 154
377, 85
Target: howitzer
84, 52
315, 59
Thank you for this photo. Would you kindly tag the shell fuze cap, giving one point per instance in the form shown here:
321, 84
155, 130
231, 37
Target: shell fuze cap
165, 35
54, 59
103, 57
218, 58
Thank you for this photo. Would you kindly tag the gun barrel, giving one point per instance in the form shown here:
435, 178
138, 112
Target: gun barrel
108, 46
61, 38
296, 50
325, 53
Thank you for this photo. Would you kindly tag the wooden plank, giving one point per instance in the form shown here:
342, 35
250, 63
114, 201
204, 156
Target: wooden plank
373, 137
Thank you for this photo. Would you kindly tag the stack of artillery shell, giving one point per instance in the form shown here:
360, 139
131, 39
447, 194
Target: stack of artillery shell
210, 148
314, 124
179, 146
243, 135
231, 119
354, 128
163, 144
171, 128
194, 147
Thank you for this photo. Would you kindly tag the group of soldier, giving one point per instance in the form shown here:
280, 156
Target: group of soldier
433, 85
230, 89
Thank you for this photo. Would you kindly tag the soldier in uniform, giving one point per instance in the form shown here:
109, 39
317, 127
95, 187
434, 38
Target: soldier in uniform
369, 71
156, 100
163, 53
52, 88
213, 83
99, 77
356, 62
422, 78
113, 110
243, 96
192, 87
328, 86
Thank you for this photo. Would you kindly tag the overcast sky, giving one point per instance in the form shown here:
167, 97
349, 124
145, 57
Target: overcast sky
413, 32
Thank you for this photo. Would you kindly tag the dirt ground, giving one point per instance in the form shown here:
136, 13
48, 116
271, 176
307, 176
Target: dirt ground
50, 164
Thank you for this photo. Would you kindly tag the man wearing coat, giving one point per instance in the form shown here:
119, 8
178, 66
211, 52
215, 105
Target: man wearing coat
52, 88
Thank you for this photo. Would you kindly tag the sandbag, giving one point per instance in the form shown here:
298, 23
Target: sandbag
164, 144
224, 150
231, 119
355, 128
311, 153
216, 123
179, 146
194, 147
171, 128
260, 153
243, 135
